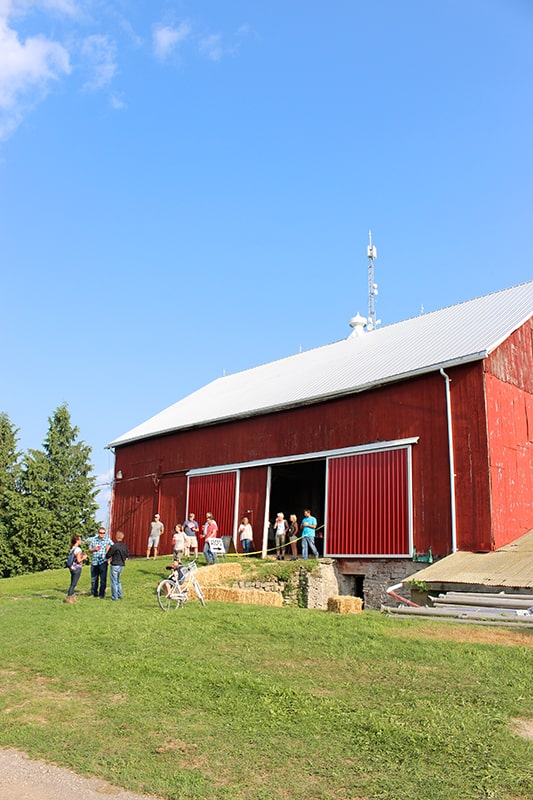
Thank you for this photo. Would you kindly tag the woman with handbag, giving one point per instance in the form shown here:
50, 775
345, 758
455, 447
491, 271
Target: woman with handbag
76, 558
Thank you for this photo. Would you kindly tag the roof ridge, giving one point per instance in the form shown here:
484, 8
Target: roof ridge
460, 333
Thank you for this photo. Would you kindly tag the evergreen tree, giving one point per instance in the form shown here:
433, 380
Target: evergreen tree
59, 495
10, 497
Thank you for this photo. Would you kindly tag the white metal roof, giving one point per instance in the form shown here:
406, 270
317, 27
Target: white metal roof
461, 333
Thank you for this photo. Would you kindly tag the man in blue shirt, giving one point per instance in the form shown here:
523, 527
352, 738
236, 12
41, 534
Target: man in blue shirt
98, 547
308, 527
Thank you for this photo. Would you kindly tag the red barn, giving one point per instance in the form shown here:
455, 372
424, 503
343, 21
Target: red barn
416, 437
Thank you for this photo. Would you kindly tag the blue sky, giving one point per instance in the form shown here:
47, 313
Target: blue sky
186, 188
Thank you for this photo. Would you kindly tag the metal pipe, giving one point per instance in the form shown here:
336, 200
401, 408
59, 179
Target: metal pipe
451, 459
391, 592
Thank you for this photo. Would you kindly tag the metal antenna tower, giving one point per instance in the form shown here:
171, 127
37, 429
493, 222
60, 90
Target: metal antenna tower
372, 253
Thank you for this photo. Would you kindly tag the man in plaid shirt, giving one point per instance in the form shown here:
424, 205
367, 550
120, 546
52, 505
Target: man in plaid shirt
98, 547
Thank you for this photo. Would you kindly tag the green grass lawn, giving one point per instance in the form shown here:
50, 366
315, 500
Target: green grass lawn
251, 703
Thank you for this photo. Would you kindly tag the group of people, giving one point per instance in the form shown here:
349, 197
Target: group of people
104, 553
185, 537
284, 530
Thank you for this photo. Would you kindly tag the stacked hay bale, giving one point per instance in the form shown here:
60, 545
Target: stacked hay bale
218, 574
345, 604
214, 580
223, 594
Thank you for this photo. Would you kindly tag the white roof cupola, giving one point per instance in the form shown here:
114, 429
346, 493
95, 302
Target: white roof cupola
357, 324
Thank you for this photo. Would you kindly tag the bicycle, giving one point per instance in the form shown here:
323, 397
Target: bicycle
175, 589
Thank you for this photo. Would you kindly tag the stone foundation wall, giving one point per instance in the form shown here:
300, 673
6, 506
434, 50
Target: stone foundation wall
313, 589
290, 590
324, 582
378, 575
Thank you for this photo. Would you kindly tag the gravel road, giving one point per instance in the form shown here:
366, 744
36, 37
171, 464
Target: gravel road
21, 778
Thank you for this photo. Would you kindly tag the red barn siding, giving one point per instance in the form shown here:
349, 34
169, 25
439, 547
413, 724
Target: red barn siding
136, 501
415, 408
172, 491
492, 420
471, 457
252, 498
509, 390
134, 504
214, 494
512, 361
367, 504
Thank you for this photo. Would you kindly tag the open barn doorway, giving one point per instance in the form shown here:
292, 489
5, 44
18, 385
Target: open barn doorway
296, 486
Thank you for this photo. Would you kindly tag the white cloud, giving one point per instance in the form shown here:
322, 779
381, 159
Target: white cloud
99, 53
27, 68
116, 101
214, 48
32, 62
211, 47
67, 7
166, 38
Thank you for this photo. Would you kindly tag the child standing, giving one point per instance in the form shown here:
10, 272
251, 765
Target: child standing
180, 542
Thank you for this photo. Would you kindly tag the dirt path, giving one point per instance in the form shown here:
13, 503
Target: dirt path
21, 778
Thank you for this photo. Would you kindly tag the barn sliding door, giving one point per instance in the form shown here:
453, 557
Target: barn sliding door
215, 493
368, 504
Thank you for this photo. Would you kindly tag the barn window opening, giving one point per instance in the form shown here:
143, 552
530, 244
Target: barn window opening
359, 586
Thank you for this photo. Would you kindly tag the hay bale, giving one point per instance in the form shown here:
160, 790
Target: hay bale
224, 594
345, 604
218, 574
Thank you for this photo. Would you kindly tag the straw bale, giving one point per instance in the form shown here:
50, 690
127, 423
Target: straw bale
217, 574
256, 597
345, 604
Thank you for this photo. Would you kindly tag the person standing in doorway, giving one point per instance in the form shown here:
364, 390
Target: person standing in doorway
191, 528
308, 528
246, 535
280, 529
117, 555
99, 546
210, 531
156, 531
293, 536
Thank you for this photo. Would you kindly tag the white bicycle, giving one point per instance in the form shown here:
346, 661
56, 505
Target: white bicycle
174, 590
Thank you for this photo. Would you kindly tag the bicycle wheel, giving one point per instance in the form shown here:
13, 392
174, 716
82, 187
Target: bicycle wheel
198, 591
165, 592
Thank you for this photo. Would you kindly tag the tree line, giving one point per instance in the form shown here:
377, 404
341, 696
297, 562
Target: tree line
46, 496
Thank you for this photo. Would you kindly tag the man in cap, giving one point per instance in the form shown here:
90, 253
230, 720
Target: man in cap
191, 528
156, 530
98, 547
